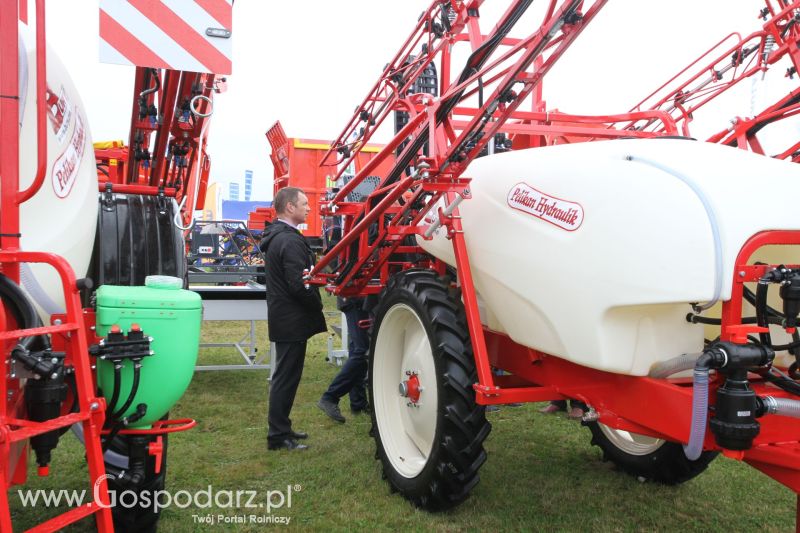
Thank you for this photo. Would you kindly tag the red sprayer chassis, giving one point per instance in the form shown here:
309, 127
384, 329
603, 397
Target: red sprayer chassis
165, 158
15, 429
478, 111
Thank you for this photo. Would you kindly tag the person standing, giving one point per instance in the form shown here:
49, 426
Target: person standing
576, 408
352, 377
294, 311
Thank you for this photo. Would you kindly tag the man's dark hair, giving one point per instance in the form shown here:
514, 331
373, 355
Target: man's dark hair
283, 197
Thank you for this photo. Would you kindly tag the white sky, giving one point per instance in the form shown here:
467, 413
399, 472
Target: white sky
309, 63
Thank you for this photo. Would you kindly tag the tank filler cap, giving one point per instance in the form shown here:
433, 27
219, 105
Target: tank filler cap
163, 282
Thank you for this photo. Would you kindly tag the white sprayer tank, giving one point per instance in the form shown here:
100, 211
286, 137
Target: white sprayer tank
62, 217
592, 252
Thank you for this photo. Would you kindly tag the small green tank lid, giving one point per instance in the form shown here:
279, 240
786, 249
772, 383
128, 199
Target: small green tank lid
163, 282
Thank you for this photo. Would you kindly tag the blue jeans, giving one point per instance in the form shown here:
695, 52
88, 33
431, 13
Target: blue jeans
352, 377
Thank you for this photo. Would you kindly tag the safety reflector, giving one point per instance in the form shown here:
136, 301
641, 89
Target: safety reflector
193, 35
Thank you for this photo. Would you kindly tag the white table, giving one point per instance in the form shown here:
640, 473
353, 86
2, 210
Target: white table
237, 303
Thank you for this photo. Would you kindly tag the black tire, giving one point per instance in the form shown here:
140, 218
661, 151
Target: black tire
450, 469
136, 238
662, 462
139, 518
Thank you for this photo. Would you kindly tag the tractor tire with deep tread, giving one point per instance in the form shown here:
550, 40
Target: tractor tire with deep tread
430, 451
646, 458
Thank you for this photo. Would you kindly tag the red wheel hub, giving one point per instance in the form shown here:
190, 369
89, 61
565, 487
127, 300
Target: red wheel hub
411, 389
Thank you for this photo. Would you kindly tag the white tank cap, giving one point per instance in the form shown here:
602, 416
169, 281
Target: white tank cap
163, 282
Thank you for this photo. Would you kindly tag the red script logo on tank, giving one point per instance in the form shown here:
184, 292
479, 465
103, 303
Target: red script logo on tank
562, 213
65, 169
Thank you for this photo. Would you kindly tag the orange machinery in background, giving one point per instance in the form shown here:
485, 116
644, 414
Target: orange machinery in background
297, 163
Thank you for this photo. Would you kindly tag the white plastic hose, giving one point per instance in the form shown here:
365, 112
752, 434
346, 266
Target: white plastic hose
699, 414
664, 369
712, 220
782, 406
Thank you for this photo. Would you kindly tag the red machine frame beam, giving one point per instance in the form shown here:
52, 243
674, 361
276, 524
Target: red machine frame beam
384, 90
732, 309
517, 74
178, 148
41, 114
91, 409
779, 26
169, 98
743, 132
437, 115
9, 133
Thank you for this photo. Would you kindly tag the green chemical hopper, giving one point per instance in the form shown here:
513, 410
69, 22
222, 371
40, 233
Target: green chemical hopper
172, 317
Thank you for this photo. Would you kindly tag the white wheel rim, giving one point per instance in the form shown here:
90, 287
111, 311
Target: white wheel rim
631, 443
407, 432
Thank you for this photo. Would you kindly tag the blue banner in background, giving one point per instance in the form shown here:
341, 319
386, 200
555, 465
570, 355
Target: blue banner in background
238, 210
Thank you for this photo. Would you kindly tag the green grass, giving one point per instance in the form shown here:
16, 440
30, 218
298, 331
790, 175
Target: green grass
541, 475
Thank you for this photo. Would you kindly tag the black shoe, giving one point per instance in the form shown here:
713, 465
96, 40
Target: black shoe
286, 444
298, 435
361, 411
332, 410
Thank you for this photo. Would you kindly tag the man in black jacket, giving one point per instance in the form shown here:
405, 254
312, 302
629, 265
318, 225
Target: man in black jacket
294, 311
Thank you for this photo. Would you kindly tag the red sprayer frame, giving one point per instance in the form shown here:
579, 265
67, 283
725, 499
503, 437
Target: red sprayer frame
445, 133
724, 66
178, 167
170, 114
654, 407
454, 131
15, 429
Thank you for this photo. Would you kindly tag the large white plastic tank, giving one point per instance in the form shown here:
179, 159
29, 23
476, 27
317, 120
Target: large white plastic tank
593, 251
62, 217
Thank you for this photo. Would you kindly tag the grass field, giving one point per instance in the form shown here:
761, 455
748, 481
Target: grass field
541, 475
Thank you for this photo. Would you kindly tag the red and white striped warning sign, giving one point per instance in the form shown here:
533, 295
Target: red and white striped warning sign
193, 35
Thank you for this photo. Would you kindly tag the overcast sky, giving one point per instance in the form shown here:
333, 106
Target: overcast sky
309, 63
